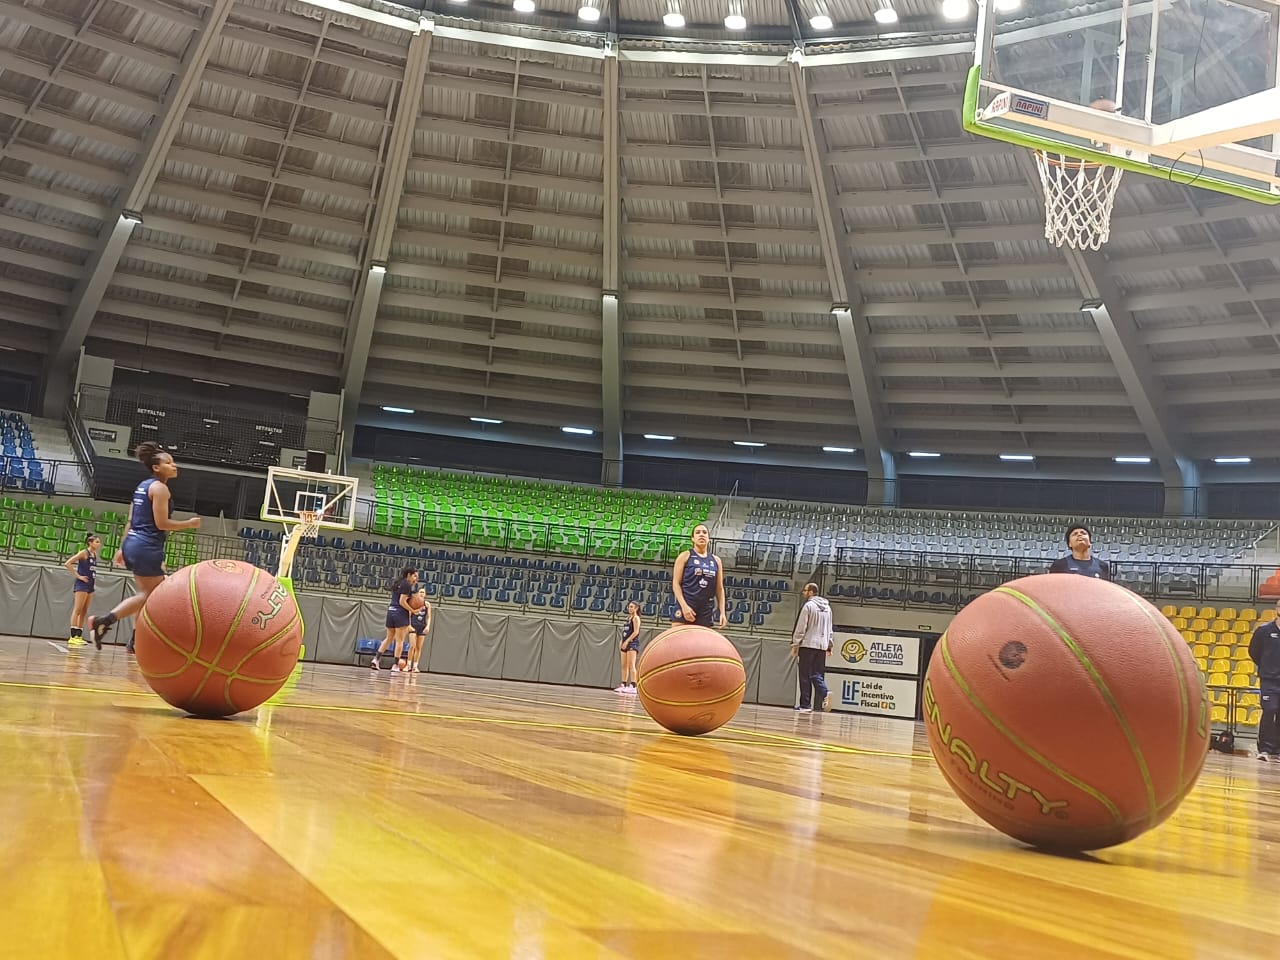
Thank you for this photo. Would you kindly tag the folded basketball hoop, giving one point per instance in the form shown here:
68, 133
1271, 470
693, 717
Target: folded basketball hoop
1078, 196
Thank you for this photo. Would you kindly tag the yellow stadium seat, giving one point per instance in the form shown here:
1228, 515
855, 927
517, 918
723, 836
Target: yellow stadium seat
1179, 623
1242, 626
1207, 613
1209, 637
1266, 616
1203, 664
1241, 680
1217, 679
1241, 653
1169, 610
1200, 651
1188, 636
1219, 626
1249, 700
1220, 666
1187, 612
1199, 623
1219, 696
1243, 666
1218, 715
1248, 717
1220, 652
1228, 639
1248, 614
1227, 613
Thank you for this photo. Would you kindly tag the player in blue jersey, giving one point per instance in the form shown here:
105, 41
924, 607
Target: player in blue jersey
629, 645
398, 614
84, 567
1081, 560
697, 580
142, 547
420, 625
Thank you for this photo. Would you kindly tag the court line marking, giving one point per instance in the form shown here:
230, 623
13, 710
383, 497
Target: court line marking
534, 724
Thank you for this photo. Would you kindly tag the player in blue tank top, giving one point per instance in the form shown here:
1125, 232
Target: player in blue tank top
142, 547
399, 611
697, 580
84, 567
420, 624
629, 644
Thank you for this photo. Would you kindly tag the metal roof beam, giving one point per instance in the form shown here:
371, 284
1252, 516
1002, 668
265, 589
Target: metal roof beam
847, 306
123, 217
611, 284
373, 268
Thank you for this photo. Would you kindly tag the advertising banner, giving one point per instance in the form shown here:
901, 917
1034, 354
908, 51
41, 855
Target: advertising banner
876, 654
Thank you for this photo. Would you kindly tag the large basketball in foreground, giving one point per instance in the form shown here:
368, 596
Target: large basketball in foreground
218, 637
691, 679
1066, 712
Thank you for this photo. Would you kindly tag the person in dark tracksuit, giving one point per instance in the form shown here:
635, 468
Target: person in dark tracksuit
1264, 651
1081, 559
142, 549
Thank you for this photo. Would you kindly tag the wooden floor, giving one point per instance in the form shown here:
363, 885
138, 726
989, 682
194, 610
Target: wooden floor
433, 817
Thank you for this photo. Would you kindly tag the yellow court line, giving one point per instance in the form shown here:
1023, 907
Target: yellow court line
779, 738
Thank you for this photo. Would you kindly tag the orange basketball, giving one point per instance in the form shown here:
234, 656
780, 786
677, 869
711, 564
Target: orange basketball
218, 637
417, 601
691, 679
1066, 712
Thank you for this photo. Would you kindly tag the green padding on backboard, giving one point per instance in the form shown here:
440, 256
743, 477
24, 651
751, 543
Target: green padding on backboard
1204, 179
287, 583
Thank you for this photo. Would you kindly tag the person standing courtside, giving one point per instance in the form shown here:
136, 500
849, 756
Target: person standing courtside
811, 644
1264, 651
1081, 559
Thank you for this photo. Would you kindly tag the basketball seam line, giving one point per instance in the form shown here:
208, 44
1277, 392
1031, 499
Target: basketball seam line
687, 660
1017, 741
226, 638
1101, 684
1184, 701
701, 703
191, 658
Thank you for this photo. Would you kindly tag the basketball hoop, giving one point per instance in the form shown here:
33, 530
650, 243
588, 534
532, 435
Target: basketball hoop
1078, 196
307, 524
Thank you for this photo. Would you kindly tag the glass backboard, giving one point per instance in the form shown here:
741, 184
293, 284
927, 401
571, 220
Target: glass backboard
291, 492
1180, 89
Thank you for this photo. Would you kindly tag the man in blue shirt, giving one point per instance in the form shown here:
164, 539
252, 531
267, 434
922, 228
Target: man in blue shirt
1081, 560
1264, 651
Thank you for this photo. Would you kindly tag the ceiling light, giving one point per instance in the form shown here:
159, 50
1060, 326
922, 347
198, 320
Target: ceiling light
588, 12
211, 383
1233, 460
837, 450
735, 21
951, 9
1131, 459
658, 436
1017, 457
582, 431
885, 13
922, 454
523, 6
397, 410
747, 443
485, 420
674, 20
820, 21
378, 268
1004, 6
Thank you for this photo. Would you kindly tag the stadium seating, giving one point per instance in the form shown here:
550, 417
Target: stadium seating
48, 530
820, 530
370, 566
506, 513
19, 468
1219, 640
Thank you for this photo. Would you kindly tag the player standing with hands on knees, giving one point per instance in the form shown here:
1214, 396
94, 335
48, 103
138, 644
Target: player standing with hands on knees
142, 548
697, 580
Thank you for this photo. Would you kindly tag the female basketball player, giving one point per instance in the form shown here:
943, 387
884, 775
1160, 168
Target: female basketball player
398, 614
420, 621
84, 567
142, 549
630, 647
697, 580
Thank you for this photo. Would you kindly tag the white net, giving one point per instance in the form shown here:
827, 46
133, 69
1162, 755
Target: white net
1078, 195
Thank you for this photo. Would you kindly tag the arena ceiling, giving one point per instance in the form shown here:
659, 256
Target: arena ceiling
332, 196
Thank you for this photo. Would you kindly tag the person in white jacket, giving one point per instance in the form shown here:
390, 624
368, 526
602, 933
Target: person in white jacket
811, 644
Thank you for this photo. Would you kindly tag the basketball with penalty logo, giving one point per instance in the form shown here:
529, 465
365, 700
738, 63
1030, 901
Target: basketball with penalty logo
1066, 712
690, 679
218, 637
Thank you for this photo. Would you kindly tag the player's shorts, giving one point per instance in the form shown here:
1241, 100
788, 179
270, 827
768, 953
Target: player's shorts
702, 617
419, 628
397, 618
81, 587
633, 646
143, 559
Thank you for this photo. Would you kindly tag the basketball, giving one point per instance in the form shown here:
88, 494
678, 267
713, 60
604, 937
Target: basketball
218, 637
1066, 711
417, 601
1108, 106
402, 663
691, 679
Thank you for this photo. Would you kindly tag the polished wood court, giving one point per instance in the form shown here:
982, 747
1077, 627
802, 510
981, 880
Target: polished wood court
438, 817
